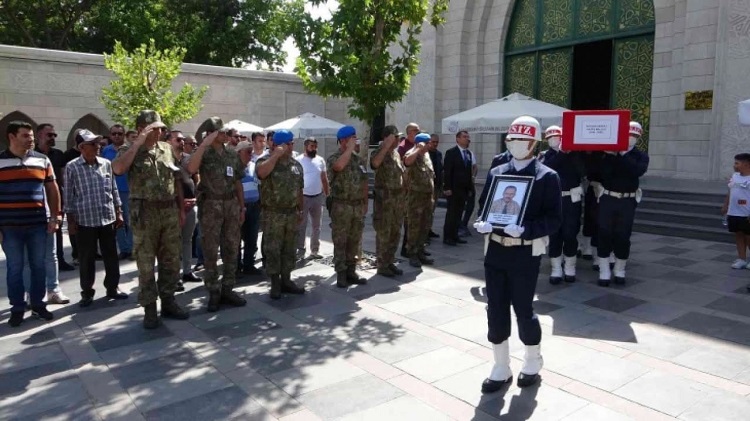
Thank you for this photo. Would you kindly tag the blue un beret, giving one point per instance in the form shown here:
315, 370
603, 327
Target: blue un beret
282, 137
422, 137
346, 131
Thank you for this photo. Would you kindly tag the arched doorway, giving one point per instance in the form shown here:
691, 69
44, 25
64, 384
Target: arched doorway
89, 122
14, 116
583, 54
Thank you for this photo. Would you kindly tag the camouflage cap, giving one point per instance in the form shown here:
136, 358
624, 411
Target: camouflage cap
390, 130
146, 117
213, 124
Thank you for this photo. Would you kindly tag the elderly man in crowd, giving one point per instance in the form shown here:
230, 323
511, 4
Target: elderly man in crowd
249, 153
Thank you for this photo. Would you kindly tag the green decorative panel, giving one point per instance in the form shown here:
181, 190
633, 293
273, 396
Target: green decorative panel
595, 17
557, 20
635, 14
520, 74
523, 26
555, 69
634, 59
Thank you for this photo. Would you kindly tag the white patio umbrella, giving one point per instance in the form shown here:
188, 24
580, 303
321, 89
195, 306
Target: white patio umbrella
308, 124
743, 111
496, 116
244, 128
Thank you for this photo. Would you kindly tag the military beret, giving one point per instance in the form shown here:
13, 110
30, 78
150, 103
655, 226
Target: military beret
346, 131
146, 117
282, 137
422, 137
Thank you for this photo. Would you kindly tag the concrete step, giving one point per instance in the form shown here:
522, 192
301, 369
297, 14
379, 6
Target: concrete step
685, 196
696, 207
684, 218
719, 234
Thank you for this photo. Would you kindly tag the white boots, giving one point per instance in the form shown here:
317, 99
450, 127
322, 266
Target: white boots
556, 270
532, 365
570, 268
585, 246
605, 274
619, 271
500, 374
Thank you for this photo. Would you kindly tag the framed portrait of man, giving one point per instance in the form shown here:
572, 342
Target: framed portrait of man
506, 203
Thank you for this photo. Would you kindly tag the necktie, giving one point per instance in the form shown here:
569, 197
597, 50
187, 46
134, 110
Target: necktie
467, 158
505, 209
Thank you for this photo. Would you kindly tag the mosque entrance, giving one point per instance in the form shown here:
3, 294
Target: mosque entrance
583, 54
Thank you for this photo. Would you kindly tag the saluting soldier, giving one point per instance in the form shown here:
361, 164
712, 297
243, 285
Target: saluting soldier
419, 200
282, 205
348, 178
221, 211
156, 215
388, 206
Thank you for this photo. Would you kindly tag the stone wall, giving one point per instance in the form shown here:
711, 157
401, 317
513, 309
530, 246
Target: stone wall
63, 88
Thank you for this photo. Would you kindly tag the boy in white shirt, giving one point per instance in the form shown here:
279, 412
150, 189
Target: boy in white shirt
737, 208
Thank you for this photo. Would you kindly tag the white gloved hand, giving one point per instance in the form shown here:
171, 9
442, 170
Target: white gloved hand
513, 230
610, 152
576, 194
483, 227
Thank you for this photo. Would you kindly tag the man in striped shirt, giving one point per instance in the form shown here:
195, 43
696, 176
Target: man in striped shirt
26, 181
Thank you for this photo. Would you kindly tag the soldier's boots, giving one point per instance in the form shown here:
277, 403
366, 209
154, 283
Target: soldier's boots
290, 287
214, 301
395, 269
275, 287
171, 310
229, 297
341, 279
150, 318
414, 261
424, 259
353, 277
387, 272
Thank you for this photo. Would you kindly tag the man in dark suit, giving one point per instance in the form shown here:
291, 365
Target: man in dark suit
457, 184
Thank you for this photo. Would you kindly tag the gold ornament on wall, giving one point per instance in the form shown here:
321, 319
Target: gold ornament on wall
699, 100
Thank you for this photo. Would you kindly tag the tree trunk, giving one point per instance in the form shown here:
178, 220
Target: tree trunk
376, 127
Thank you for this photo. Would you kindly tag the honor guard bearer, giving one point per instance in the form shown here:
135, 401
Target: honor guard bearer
563, 244
513, 256
619, 197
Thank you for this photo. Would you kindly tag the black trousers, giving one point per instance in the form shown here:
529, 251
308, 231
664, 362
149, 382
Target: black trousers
511, 274
590, 214
565, 240
471, 200
88, 238
456, 205
615, 226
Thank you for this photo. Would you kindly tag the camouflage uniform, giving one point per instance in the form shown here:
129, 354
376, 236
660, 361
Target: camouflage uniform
419, 201
219, 214
280, 207
388, 206
155, 220
347, 200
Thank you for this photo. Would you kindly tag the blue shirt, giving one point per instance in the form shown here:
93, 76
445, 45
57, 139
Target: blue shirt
250, 184
109, 152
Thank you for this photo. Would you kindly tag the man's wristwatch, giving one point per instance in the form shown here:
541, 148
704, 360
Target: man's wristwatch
56, 219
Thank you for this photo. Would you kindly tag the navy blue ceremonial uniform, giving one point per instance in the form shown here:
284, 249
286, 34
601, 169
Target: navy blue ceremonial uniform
511, 272
620, 174
593, 163
570, 169
500, 159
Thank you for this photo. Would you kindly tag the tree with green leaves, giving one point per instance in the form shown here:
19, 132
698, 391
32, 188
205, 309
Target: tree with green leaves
143, 80
368, 51
217, 32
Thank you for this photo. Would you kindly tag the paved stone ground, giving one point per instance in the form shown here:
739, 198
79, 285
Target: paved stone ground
673, 343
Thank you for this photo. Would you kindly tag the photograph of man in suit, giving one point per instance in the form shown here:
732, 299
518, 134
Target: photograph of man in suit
457, 184
505, 205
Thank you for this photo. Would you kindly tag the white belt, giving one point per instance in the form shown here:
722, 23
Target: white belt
566, 193
595, 183
618, 195
510, 241
575, 194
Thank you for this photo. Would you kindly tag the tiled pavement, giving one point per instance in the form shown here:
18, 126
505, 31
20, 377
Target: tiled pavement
672, 343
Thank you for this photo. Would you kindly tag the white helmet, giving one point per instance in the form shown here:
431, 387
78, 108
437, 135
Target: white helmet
552, 131
525, 127
635, 129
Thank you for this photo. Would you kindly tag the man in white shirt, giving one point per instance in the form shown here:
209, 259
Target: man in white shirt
315, 192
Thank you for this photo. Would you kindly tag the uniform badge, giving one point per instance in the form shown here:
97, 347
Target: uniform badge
230, 172
295, 170
362, 168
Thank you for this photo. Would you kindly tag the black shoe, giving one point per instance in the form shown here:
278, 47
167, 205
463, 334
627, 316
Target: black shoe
492, 386
353, 277
395, 269
387, 272
16, 318
253, 271
275, 287
197, 267
180, 287
619, 280
570, 279
124, 255
116, 294
86, 301
526, 380
424, 259
433, 235
191, 277
602, 283
150, 317
342, 280
290, 287
427, 253
171, 310
214, 301
65, 266
555, 280
460, 241
450, 242
231, 298
42, 313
